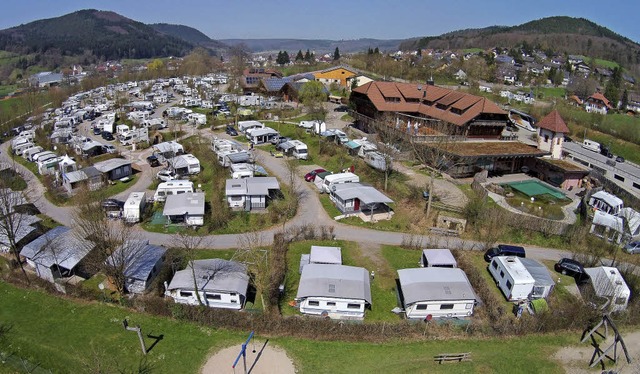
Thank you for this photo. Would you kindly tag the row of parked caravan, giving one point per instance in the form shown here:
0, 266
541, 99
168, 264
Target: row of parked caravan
240, 162
24, 145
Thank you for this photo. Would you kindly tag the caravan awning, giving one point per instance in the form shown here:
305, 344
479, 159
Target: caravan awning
352, 145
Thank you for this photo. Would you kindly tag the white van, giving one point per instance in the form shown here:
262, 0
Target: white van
333, 179
591, 145
174, 187
300, 150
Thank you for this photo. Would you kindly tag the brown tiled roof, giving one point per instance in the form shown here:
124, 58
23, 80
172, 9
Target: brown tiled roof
437, 102
600, 97
493, 149
553, 122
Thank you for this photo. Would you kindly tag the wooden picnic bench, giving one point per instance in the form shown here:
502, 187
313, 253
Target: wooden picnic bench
447, 357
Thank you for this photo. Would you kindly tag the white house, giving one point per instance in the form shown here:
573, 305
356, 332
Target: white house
512, 277
551, 130
434, 291
57, 254
364, 201
185, 164
442, 258
606, 202
218, 283
609, 287
250, 193
140, 261
334, 291
544, 284
187, 208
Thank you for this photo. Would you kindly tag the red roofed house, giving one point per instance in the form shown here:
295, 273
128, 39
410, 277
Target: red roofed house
432, 108
551, 130
597, 103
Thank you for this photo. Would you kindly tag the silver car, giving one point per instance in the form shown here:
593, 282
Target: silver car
632, 247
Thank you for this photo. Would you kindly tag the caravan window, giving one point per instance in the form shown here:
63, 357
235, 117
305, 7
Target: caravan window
213, 297
353, 306
446, 306
509, 285
495, 265
186, 293
421, 307
501, 274
331, 303
160, 193
468, 306
314, 303
180, 192
621, 300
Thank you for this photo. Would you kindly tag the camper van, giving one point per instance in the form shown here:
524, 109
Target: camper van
334, 179
591, 145
134, 207
512, 277
174, 187
300, 150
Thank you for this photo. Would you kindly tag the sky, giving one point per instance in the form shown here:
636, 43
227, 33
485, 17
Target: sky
335, 19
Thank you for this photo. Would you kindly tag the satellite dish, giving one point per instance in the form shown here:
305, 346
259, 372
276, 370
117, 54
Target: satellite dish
101, 286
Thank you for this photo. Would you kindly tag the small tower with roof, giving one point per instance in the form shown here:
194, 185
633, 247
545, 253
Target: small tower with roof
551, 130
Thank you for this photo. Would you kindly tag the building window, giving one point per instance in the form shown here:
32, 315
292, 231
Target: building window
509, 285
546, 138
186, 294
353, 306
446, 306
421, 307
314, 303
558, 141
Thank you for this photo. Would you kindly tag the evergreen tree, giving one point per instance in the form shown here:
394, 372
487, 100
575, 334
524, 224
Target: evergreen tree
369, 51
336, 54
419, 52
625, 100
283, 58
612, 90
307, 56
376, 51
299, 56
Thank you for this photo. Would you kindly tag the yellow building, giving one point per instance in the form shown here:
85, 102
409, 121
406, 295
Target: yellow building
337, 74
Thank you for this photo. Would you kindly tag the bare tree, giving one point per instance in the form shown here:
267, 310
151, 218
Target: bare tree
388, 144
252, 253
188, 243
121, 259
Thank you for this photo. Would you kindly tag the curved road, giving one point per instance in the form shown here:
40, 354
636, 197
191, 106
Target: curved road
310, 212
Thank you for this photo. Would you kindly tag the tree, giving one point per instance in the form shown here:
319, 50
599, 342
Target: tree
336, 54
283, 58
13, 224
309, 57
188, 243
299, 56
313, 95
624, 101
252, 253
612, 90
121, 258
376, 51
389, 140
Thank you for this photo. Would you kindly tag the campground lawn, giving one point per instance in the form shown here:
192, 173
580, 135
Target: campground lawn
67, 336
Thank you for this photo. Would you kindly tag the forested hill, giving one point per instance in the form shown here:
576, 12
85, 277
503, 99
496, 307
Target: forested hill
559, 34
189, 34
104, 34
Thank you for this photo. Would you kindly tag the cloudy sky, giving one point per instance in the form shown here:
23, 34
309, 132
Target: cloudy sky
333, 19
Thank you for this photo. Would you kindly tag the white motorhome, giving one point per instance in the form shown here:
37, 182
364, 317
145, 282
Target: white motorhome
122, 129
197, 118
224, 145
512, 277
173, 187
339, 178
133, 207
135, 136
591, 145
300, 150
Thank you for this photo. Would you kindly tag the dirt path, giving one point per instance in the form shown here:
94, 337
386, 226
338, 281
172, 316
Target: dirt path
261, 358
575, 359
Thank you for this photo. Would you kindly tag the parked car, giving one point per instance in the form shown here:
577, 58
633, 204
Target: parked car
619, 159
341, 108
166, 175
230, 130
632, 247
571, 267
113, 208
311, 176
106, 135
97, 131
279, 139
504, 250
108, 148
153, 161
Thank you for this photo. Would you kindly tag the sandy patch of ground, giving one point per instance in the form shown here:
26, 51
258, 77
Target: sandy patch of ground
575, 359
266, 359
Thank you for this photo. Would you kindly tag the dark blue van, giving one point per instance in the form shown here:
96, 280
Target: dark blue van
504, 250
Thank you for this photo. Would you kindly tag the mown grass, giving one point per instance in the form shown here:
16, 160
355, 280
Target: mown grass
547, 92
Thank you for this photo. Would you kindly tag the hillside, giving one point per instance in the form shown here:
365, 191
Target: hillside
315, 45
559, 34
104, 34
190, 35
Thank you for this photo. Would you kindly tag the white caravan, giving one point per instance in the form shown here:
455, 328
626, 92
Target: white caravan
174, 187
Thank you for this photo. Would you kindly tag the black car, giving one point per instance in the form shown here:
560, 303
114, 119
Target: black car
97, 131
341, 108
619, 159
230, 130
153, 161
504, 250
106, 135
571, 267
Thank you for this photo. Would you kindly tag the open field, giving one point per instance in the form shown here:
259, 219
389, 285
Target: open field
68, 336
